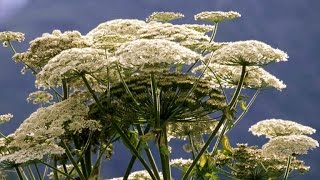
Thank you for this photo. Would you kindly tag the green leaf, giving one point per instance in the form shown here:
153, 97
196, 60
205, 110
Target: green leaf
148, 136
243, 105
203, 161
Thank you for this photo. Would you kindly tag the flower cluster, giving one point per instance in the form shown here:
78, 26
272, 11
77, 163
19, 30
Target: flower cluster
229, 76
137, 53
164, 16
246, 53
289, 145
40, 97
8, 36
216, 16
43, 48
250, 162
278, 127
286, 137
39, 134
69, 65
5, 118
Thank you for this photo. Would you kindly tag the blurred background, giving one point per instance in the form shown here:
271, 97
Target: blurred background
290, 25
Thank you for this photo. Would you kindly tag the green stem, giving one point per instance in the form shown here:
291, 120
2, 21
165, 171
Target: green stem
213, 35
80, 158
164, 154
65, 89
30, 173
221, 122
118, 129
38, 172
156, 101
102, 150
246, 110
148, 153
55, 169
235, 96
75, 165
218, 141
88, 160
55, 173
19, 173
286, 174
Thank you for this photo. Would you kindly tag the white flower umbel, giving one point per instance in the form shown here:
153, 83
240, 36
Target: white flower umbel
199, 27
69, 63
216, 16
40, 97
43, 48
5, 118
249, 53
229, 76
164, 16
148, 52
289, 145
272, 128
37, 151
38, 134
123, 27
7, 36
186, 36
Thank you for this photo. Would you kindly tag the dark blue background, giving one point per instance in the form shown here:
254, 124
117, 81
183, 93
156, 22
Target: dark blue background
290, 25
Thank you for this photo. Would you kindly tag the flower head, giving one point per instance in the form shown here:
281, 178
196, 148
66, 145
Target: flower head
43, 48
182, 34
40, 97
164, 16
8, 36
272, 128
142, 52
69, 64
5, 118
199, 27
216, 16
121, 27
248, 53
229, 76
37, 135
289, 145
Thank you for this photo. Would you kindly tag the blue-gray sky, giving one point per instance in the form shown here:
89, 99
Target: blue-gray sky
290, 25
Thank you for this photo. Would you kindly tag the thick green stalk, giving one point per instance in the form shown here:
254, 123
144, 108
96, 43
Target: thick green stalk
118, 129
88, 160
164, 154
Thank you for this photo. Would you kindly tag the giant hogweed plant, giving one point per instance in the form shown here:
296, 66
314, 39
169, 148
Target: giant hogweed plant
142, 83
